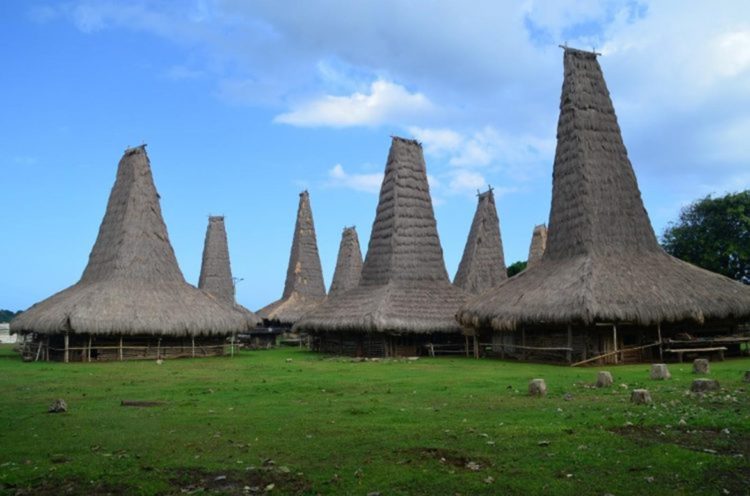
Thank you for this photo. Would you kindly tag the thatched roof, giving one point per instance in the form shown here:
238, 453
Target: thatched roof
216, 271
348, 264
602, 262
132, 284
538, 245
304, 288
482, 266
404, 286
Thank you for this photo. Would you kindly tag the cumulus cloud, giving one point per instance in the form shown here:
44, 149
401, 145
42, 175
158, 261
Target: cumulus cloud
386, 102
369, 183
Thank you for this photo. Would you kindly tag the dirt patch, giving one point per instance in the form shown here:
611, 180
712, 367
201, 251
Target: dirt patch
253, 481
65, 487
712, 441
450, 457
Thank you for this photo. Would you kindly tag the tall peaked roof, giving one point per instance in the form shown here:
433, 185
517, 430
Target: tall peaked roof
132, 283
304, 287
404, 286
537, 246
482, 265
348, 264
216, 271
602, 262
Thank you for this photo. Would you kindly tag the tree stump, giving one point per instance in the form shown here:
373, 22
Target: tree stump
603, 379
659, 371
640, 397
537, 387
701, 366
704, 385
59, 406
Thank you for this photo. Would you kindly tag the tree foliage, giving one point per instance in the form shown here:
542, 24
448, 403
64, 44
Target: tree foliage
7, 315
714, 233
516, 267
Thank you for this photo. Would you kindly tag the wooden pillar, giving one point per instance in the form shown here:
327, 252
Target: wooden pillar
476, 346
569, 353
66, 358
158, 348
231, 349
661, 347
119, 350
466, 345
88, 350
523, 343
192, 342
614, 338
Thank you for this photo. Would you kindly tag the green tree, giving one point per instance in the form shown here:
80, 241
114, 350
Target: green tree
7, 315
714, 233
516, 267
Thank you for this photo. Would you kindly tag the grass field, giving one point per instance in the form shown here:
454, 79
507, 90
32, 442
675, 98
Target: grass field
288, 421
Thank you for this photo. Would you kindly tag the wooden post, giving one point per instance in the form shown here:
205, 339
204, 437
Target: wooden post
614, 337
476, 346
88, 350
158, 348
466, 345
119, 351
523, 343
67, 345
231, 347
192, 341
569, 353
502, 347
661, 346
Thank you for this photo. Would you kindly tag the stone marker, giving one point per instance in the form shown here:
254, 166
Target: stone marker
746, 378
704, 385
640, 396
537, 387
701, 366
59, 406
603, 379
659, 371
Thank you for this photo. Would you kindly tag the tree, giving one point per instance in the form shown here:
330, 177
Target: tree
516, 267
7, 315
714, 233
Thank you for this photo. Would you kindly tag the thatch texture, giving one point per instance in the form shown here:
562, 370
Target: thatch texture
348, 264
602, 262
304, 288
404, 286
482, 265
216, 271
537, 246
132, 284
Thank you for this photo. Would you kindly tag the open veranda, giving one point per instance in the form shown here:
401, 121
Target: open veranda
287, 421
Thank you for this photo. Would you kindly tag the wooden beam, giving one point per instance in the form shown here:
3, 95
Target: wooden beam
605, 355
192, 341
614, 337
119, 350
66, 357
88, 350
661, 342
569, 353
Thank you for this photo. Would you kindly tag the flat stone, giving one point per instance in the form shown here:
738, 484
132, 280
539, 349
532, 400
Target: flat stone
701, 366
537, 387
640, 397
59, 406
659, 371
603, 379
704, 385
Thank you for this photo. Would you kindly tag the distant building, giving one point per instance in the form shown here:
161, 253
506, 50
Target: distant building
5, 336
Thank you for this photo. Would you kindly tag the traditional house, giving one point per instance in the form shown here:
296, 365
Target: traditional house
348, 264
304, 288
604, 290
482, 265
404, 299
538, 245
132, 301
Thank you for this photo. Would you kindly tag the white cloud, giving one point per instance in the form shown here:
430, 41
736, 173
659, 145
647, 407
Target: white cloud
386, 102
437, 141
369, 183
463, 181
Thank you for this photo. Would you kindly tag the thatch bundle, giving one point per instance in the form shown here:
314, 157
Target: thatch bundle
482, 265
602, 262
348, 264
404, 286
216, 271
304, 288
132, 284
538, 245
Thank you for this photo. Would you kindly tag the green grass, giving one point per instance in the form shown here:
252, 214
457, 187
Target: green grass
333, 426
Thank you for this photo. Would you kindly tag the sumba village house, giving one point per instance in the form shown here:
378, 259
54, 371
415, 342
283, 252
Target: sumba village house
604, 287
348, 264
216, 279
304, 288
132, 301
404, 299
538, 245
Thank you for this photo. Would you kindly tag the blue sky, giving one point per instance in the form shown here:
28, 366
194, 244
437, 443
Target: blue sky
245, 103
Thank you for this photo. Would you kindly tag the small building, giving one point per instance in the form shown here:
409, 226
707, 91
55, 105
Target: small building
604, 290
5, 336
537, 246
348, 264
